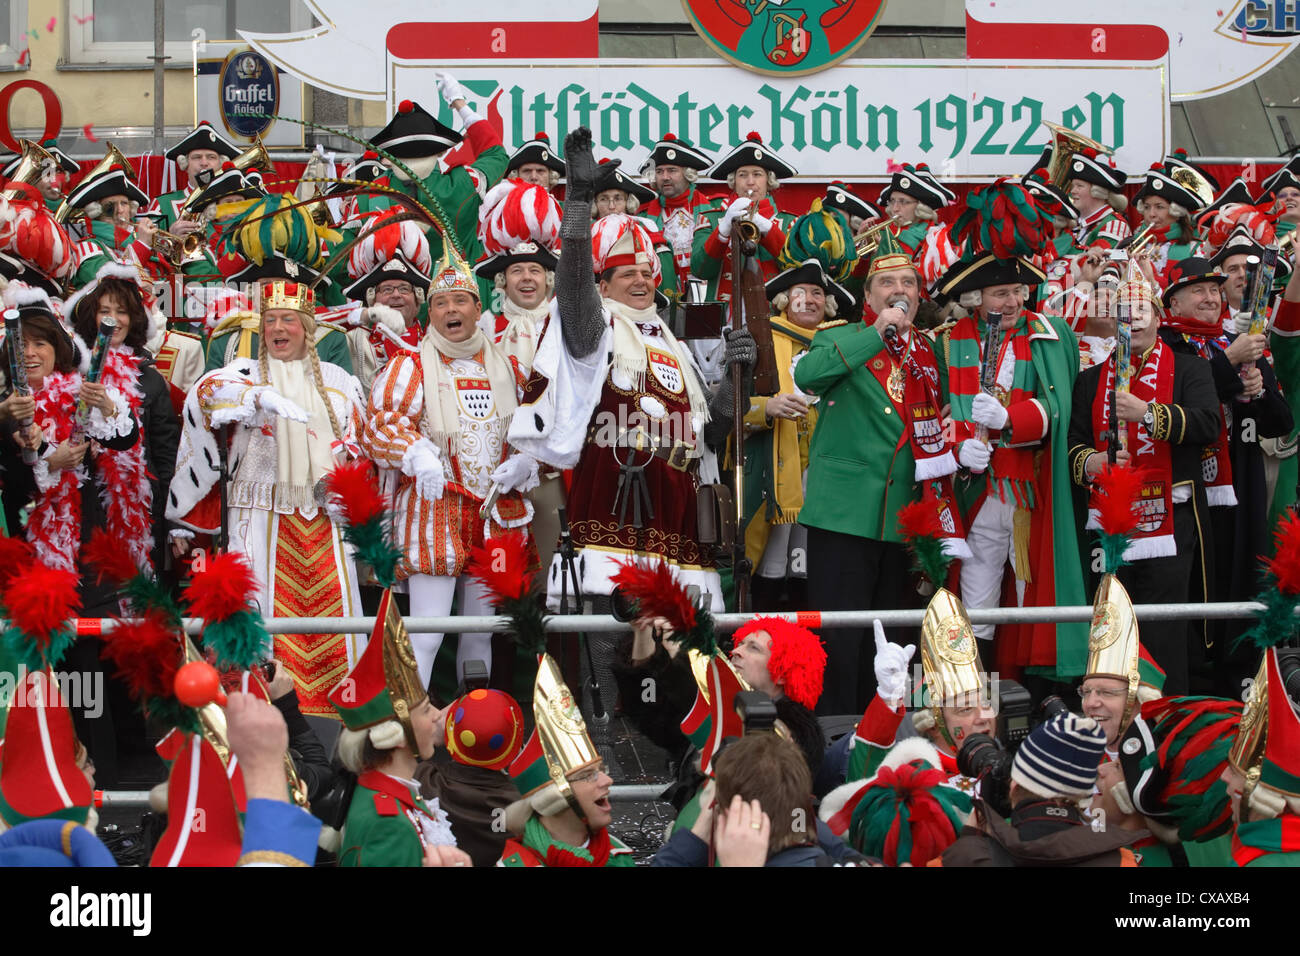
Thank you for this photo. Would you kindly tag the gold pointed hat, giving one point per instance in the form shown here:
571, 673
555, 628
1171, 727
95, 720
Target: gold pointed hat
452, 273
950, 658
1115, 647
385, 682
559, 745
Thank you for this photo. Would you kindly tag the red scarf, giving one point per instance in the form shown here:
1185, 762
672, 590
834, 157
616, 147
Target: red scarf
912, 364
914, 374
1216, 462
597, 845
1153, 381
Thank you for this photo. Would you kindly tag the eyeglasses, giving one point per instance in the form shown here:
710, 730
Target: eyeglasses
1105, 693
588, 775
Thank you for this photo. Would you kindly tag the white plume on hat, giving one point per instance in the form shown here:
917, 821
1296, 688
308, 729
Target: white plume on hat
513, 212
382, 240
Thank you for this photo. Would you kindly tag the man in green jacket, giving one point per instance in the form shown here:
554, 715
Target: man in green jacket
878, 446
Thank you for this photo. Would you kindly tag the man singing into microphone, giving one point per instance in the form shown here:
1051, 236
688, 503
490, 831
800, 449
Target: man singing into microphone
878, 447
1012, 441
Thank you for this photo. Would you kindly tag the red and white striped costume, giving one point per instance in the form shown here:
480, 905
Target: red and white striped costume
436, 535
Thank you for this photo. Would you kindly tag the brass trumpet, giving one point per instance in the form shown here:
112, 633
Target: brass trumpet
1141, 240
176, 249
866, 241
745, 229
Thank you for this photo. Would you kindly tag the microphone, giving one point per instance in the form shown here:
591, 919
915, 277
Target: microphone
891, 333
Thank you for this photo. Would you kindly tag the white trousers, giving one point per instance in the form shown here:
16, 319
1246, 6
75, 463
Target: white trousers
992, 546
431, 596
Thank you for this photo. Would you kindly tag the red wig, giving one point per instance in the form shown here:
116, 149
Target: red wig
798, 659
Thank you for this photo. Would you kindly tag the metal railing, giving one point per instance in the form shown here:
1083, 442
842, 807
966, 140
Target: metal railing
602, 625
607, 624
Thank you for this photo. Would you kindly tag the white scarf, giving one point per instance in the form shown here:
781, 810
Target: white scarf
441, 406
522, 329
304, 452
630, 354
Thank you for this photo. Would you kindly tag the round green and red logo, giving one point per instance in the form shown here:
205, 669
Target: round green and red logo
784, 37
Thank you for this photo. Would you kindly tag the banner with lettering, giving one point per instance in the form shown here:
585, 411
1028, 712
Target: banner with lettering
969, 120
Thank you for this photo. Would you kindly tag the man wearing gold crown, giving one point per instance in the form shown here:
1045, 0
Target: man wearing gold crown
295, 418
614, 396
564, 816
437, 417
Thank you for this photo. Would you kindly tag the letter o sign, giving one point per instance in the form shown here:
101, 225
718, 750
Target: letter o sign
53, 111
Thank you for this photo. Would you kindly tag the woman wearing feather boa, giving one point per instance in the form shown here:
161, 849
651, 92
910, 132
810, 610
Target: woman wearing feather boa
83, 480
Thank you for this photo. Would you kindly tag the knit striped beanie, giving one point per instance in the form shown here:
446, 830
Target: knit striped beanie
1060, 758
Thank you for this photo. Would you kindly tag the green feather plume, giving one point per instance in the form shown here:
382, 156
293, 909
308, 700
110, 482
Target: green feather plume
821, 234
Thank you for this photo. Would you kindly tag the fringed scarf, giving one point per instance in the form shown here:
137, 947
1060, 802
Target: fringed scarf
441, 406
1216, 461
523, 330
630, 354
1152, 381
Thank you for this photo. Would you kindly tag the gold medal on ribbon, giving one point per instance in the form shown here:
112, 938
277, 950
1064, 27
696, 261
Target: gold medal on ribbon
896, 380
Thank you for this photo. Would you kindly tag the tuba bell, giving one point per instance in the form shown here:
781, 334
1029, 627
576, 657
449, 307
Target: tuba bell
112, 156
1065, 143
255, 157
32, 167
1194, 183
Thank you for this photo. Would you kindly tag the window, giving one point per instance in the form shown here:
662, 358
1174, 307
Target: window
13, 31
121, 31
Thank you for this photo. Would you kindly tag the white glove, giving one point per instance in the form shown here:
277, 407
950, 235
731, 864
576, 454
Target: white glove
764, 224
974, 455
450, 88
517, 473
734, 212
988, 411
891, 668
273, 403
422, 463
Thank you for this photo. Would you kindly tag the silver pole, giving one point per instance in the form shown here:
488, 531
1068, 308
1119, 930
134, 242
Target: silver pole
159, 58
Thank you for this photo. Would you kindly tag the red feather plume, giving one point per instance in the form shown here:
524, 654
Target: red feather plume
40, 601
1115, 492
224, 589
657, 593
147, 654
501, 564
109, 556
1285, 563
15, 554
920, 519
357, 489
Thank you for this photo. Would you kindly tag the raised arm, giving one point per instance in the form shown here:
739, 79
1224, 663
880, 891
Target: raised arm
581, 316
